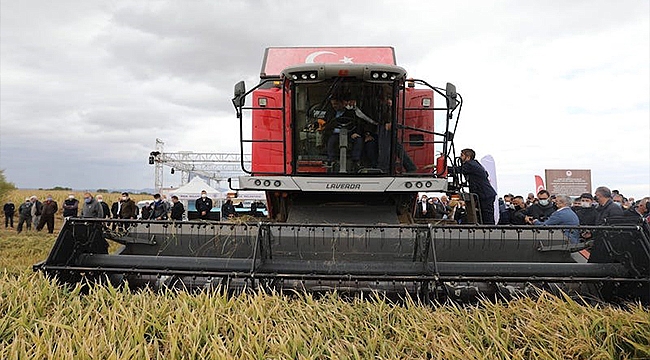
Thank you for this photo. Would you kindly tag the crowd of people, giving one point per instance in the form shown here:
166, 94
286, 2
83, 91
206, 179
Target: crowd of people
541, 209
37, 214
545, 209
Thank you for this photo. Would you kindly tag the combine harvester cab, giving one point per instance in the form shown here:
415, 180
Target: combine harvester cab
342, 141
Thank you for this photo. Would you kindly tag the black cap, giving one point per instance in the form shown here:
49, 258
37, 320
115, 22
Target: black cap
586, 196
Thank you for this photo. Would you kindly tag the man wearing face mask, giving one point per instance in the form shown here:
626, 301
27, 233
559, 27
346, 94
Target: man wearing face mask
50, 208
70, 206
158, 208
586, 212
127, 209
105, 208
92, 208
25, 215
203, 205
543, 208
606, 207
518, 211
563, 216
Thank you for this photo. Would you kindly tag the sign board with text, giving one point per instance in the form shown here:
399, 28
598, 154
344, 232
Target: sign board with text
568, 182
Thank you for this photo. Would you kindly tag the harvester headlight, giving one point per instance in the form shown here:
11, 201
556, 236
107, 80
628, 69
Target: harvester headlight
312, 76
408, 184
261, 102
375, 75
418, 184
428, 184
384, 75
258, 182
277, 183
304, 76
267, 182
294, 76
393, 76
426, 102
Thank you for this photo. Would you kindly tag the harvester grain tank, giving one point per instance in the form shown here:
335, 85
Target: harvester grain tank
342, 141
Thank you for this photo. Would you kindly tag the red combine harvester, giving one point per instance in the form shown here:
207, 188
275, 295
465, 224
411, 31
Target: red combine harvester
342, 141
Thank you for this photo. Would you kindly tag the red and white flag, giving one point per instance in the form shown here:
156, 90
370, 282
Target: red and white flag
539, 184
277, 59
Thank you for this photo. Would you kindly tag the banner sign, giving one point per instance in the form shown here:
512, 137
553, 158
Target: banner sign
568, 182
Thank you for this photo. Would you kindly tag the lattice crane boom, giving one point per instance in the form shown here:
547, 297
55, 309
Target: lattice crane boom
212, 166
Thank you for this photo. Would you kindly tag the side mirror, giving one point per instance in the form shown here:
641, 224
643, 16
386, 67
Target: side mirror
451, 93
240, 90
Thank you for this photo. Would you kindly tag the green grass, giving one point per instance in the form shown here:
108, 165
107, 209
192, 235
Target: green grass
40, 320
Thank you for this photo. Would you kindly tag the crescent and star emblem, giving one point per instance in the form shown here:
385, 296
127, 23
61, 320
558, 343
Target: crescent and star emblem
311, 58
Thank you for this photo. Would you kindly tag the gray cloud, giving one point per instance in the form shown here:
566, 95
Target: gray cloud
87, 87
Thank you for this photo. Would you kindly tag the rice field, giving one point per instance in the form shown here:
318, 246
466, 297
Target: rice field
41, 320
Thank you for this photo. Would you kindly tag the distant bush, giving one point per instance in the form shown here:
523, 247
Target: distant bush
104, 191
5, 186
60, 188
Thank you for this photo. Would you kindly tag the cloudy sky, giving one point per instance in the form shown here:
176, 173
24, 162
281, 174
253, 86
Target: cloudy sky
86, 87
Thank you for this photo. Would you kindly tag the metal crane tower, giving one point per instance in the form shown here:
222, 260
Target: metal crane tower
212, 166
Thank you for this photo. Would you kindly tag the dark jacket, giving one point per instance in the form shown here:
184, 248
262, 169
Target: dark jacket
460, 214
517, 216
348, 116
25, 210
37, 208
115, 210
203, 204
419, 211
158, 210
478, 180
50, 208
146, 212
105, 209
177, 211
541, 212
228, 209
70, 207
504, 213
129, 210
9, 208
439, 210
608, 210
587, 216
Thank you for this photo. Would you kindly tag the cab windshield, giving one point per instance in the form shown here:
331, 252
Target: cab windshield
343, 126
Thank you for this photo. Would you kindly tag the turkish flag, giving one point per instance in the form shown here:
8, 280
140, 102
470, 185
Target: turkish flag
539, 184
277, 59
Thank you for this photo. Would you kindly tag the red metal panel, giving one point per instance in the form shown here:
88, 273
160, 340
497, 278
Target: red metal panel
418, 145
268, 157
277, 59
267, 125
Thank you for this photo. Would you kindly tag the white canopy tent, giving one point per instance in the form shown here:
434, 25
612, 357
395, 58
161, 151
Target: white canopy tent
192, 191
